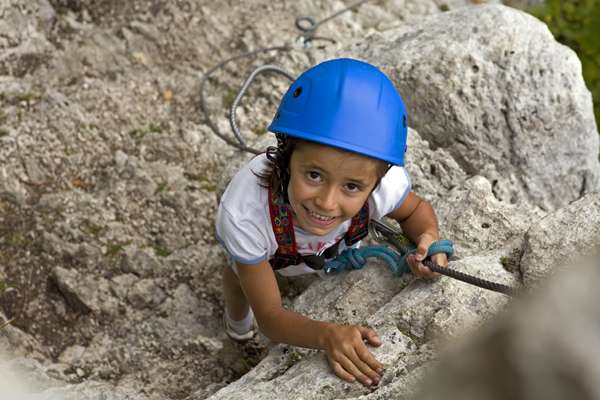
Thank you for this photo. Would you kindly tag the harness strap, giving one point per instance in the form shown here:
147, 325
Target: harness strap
283, 228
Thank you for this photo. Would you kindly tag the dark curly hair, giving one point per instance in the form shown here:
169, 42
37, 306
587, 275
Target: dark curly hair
276, 174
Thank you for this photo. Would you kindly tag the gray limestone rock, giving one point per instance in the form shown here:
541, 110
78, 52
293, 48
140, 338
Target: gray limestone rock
25, 379
491, 86
17, 343
546, 346
561, 237
141, 262
85, 293
109, 174
145, 293
23, 31
476, 221
432, 172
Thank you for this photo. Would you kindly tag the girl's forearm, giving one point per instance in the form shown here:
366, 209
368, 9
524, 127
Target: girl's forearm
285, 326
422, 220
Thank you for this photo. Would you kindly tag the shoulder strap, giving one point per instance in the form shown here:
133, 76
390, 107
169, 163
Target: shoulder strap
283, 228
359, 228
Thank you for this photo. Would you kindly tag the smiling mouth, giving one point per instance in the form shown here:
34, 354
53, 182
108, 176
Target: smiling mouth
319, 217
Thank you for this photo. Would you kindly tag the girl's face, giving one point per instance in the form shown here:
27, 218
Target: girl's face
328, 186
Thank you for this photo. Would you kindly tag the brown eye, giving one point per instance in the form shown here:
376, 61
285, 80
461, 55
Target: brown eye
353, 187
313, 176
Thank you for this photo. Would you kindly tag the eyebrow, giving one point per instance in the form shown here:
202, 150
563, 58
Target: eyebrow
358, 182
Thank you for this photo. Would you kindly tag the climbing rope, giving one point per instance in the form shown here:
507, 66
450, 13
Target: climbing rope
356, 258
382, 232
309, 27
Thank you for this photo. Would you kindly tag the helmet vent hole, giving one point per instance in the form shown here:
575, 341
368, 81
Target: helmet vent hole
404, 121
298, 91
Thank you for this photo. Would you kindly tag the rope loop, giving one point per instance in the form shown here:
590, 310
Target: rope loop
300, 24
356, 258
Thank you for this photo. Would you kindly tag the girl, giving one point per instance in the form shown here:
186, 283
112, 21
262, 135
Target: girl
341, 130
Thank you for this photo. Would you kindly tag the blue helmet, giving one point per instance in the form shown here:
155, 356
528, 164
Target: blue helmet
348, 104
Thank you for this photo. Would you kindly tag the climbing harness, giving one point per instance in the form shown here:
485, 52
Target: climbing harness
309, 27
283, 228
382, 232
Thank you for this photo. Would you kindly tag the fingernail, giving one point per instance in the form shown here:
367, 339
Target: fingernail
419, 257
380, 371
369, 382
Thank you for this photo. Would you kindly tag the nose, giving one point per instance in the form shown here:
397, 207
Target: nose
326, 200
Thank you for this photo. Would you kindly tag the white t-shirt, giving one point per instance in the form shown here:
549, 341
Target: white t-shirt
244, 223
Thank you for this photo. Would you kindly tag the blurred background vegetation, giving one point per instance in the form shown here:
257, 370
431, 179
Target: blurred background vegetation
576, 23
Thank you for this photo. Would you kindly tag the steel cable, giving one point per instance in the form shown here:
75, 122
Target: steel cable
306, 37
259, 70
395, 239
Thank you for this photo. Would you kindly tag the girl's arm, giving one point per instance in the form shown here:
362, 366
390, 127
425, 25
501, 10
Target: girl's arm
346, 352
418, 221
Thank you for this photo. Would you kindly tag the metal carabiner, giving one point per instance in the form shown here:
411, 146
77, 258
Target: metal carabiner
382, 232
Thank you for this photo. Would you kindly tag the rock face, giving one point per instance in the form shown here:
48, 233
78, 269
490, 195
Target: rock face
543, 347
570, 233
492, 87
109, 174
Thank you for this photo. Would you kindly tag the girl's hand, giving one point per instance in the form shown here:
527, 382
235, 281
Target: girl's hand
415, 260
348, 355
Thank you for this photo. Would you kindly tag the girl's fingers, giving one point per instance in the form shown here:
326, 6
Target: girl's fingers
365, 367
353, 366
413, 265
423, 243
370, 335
341, 372
440, 259
350, 358
371, 366
418, 269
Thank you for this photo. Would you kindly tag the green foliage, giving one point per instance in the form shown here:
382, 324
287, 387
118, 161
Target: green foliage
161, 251
139, 133
576, 23
115, 248
228, 98
161, 187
